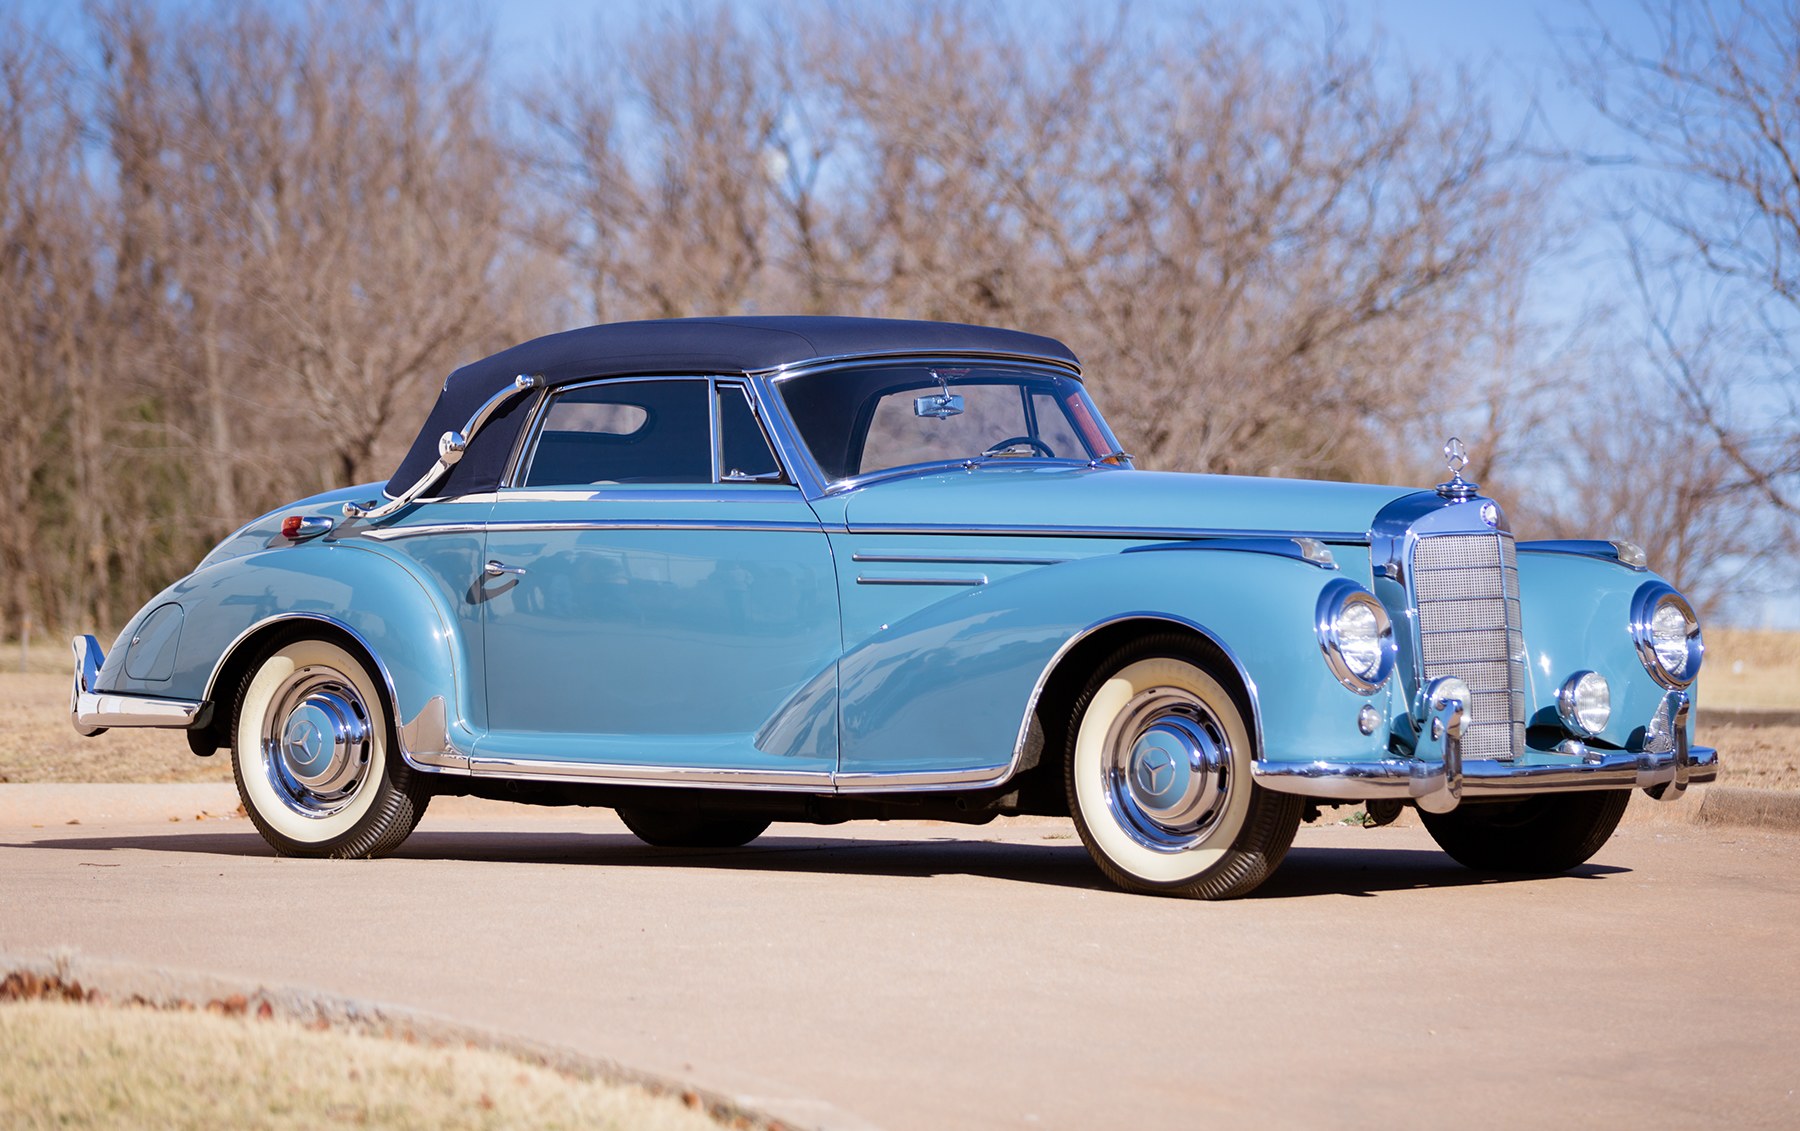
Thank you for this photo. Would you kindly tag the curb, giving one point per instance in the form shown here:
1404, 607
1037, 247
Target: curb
63, 976
1747, 717
1754, 808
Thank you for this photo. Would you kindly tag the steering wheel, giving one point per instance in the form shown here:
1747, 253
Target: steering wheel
1032, 442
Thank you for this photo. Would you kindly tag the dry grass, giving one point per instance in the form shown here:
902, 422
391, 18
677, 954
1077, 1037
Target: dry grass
1748, 667
78, 1066
38, 744
1755, 757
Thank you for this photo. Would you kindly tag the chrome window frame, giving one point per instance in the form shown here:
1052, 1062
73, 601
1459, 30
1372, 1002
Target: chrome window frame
519, 467
747, 388
791, 446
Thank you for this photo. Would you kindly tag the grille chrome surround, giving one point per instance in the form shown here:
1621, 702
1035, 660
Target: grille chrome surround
1466, 590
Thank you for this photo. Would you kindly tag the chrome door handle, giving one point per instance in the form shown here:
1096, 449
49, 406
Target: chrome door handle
496, 569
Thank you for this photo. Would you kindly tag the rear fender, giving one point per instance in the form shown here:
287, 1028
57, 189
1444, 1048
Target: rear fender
235, 608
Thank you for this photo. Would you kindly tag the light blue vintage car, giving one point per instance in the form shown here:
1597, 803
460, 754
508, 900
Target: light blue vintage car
720, 572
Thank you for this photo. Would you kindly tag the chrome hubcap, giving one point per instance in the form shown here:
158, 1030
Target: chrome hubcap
1168, 769
315, 741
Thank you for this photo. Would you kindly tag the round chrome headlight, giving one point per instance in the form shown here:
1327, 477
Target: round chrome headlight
1585, 703
1667, 634
1356, 636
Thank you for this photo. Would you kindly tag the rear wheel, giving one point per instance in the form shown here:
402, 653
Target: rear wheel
666, 828
314, 756
1543, 834
1158, 778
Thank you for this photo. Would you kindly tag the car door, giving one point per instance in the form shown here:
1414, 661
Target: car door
658, 599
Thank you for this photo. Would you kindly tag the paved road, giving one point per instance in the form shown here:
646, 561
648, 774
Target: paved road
926, 976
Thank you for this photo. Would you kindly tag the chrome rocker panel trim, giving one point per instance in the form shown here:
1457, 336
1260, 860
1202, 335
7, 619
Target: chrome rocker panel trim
1665, 774
697, 777
95, 711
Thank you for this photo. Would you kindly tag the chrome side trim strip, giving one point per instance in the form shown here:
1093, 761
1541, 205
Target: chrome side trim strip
880, 579
732, 491
701, 777
392, 533
954, 559
608, 773
1306, 549
396, 532
1161, 533
1581, 548
925, 779
94, 711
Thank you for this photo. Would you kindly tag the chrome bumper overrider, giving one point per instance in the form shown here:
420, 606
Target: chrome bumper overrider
94, 711
1437, 778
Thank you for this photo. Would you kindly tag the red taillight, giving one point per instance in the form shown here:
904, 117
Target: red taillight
290, 526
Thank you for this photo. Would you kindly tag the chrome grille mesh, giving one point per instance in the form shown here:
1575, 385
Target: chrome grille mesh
1466, 587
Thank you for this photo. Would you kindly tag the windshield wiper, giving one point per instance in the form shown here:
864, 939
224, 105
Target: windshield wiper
1117, 458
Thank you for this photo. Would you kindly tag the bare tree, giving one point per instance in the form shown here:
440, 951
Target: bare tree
46, 288
663, 166
1710, 118
1264, 247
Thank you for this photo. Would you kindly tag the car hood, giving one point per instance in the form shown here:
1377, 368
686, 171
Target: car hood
1133, 503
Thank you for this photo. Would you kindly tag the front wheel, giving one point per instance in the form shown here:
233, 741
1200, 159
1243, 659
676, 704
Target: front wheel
1158, 777
314, 757
1544, 834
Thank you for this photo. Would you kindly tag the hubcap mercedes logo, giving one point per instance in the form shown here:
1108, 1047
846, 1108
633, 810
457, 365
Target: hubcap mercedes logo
1156, 769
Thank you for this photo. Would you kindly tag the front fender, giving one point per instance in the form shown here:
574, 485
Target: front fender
1576, 613
952, 687
373, 597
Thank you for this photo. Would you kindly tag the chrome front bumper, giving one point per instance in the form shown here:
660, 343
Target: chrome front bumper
94, 711
1437, 778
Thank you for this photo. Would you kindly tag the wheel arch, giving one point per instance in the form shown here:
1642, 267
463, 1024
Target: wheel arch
263, 638
1074, 663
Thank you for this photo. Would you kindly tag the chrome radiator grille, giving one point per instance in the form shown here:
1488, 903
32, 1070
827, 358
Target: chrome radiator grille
1466, 587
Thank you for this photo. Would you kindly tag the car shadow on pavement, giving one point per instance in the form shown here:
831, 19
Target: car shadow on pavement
1306, 871
1371, 871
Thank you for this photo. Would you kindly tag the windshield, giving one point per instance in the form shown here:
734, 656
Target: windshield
864, 420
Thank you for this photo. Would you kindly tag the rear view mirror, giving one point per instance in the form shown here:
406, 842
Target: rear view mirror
940, 405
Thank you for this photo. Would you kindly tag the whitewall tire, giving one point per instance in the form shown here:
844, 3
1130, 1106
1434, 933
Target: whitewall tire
314, 757
1158, 777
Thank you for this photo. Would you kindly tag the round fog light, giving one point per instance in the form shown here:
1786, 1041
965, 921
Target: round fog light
1585, 703
1368, 719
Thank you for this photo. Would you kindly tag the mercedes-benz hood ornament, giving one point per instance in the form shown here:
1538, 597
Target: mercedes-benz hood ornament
1456, 457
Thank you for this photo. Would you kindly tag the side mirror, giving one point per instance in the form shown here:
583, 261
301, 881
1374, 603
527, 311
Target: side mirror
942, 406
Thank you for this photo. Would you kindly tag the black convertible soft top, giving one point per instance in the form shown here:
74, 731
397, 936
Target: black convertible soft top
711, 346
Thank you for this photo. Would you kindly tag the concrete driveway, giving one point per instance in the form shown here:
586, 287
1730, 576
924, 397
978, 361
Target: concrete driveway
930, 976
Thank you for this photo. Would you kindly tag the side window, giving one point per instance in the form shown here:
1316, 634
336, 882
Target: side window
744, 452
625, 432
